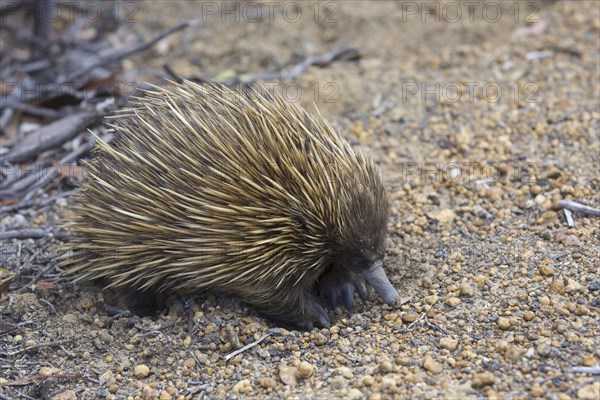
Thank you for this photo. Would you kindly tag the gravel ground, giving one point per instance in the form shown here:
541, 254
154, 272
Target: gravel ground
500, 297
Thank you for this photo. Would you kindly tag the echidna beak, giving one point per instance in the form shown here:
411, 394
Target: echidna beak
377, 278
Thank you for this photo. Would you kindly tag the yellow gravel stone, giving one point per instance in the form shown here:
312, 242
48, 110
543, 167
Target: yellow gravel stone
483, 379
589, 392
305, 369
504, 323
431, 365
141, 371
448, 343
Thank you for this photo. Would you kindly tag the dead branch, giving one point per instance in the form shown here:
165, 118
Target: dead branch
594, 369
121, 54
35, 110
246, 347
33, 180
36, 202
38, 346
569, 217
578, 207
54, 135
293, 72
31, 234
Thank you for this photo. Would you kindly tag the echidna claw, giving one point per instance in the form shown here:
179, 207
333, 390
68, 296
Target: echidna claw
333, 298
347, 293
361, 288
334, 290
316, 313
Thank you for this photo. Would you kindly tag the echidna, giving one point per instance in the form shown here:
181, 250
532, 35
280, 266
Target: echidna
240, 192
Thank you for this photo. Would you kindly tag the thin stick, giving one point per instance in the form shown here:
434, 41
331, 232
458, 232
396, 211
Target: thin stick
569, 217
54, 135
37, 202
39, 346
594, 369
35, 110
246, 347
437, 327
320, 61
577, 207
119, 55
31, 234
33, 181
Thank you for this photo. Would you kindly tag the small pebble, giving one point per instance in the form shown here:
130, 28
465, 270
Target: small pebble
409, 317
66, 395
288, 375
483, 379
386, 366
453, 301
141, 371
305, 369
572, 286
537, 391
49, 371
543, 349
354, 394
189, 363
388, 383
528, 315
466, 289
546, 270
164, 395
431, 365
242, 386
345, 372
514, 353
448, 343
589, 360
504, 323
70, 319
589, 392
368, 380
266, 383
320, 339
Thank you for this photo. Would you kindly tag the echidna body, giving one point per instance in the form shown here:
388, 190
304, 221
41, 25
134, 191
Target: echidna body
244, 193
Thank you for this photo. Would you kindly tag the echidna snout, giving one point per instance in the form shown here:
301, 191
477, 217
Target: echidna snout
244, 193
377, 278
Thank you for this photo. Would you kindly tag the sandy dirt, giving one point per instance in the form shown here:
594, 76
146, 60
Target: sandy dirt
481, 121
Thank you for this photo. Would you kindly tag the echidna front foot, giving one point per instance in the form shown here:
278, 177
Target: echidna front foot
300, 308
315, 312
338, 286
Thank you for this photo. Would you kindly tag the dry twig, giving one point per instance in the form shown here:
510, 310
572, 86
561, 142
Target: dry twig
594, 369
38, 346
293, 72
33, 180
54, 135
578, 207
246, 347
121, 54
569, 217
31, 234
